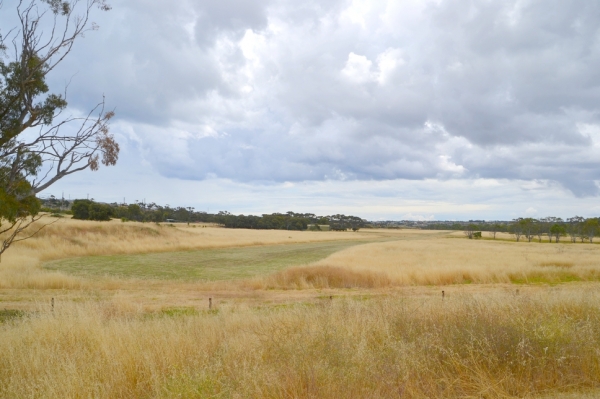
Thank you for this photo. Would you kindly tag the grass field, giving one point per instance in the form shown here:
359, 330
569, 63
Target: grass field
462, 261
296, 315
207, 264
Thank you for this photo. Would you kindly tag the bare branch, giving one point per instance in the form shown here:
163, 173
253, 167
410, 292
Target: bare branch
18, 227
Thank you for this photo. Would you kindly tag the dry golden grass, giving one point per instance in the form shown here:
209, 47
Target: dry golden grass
386, 332
498, 345
442, 261
71, 238
321, 276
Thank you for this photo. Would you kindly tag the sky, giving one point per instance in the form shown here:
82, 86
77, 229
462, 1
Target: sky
388, 110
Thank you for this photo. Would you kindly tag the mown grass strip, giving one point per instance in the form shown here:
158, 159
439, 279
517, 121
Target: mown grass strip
207, 264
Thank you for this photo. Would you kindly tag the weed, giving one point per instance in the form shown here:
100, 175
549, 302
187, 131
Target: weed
10, 314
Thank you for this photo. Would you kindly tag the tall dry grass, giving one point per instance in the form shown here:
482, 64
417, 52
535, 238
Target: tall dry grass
494, 346
441, 261
320, 276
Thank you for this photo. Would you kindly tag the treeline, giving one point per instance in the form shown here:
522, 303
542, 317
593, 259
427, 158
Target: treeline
480, 226
141, 212
576, 228
289, 221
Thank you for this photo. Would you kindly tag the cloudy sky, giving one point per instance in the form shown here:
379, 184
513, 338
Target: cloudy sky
444, 109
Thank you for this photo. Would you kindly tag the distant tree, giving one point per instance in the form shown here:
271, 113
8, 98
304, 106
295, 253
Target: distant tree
81, 209
341, 222
547, 224
470, 230
539, 229
516, 228
158, 215
575, 228
558, 230
494, 229
134, 212
528, 227
590, 228
322, 221
190, 210
101, 212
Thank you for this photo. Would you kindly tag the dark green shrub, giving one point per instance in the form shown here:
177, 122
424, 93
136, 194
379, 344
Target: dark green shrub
81, 209
100, 212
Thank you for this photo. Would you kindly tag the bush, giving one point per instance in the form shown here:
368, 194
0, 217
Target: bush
89, 210
100, 212
81, 209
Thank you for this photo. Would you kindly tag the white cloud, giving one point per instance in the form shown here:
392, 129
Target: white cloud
531, 211
358, 69
388, 62
420, 218
356, 12
449, 166
591, 131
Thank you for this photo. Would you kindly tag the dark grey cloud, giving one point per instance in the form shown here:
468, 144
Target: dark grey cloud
521, 69
230, 17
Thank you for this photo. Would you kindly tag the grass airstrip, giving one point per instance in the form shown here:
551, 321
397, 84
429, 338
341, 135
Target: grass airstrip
208, 264
111, 310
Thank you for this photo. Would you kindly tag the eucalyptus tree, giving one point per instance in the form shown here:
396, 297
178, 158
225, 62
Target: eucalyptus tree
516, 228
470, 230
539, 229
39, 144
528, 227
575, 228
547, 224
558, 230
494, 229
590, 228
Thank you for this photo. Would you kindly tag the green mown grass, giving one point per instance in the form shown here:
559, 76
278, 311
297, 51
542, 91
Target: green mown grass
208, 264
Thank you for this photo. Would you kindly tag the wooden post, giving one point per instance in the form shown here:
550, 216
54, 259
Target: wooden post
209, 303
52, 303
